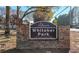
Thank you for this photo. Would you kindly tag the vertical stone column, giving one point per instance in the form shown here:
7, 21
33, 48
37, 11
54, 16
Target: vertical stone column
64, 37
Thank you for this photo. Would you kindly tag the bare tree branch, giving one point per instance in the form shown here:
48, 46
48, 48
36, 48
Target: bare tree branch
28, 13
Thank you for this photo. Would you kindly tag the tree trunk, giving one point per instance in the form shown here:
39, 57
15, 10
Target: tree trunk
18, 11
7, 30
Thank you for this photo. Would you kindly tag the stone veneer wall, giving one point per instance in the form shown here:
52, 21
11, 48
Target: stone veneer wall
23, 41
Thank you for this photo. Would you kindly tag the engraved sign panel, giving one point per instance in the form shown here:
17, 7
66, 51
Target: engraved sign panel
43, 30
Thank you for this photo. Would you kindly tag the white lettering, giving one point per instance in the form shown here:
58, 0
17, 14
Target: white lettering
34, 30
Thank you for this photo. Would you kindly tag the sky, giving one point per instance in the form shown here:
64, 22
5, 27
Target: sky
66, 11
24, 8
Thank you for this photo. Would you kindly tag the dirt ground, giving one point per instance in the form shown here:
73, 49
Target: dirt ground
7, 43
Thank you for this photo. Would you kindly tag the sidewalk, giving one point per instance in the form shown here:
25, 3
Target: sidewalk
73, 29
74, 41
